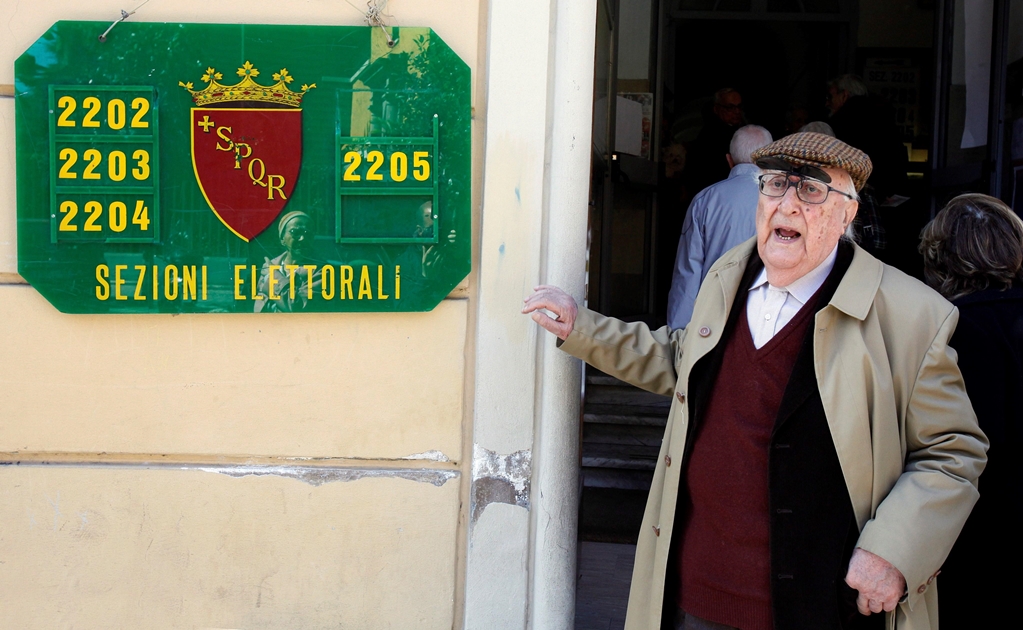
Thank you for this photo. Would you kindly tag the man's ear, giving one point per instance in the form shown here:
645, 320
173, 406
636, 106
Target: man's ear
731, 162
850, 213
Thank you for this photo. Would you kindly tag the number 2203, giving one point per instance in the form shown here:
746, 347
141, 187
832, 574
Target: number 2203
398, 163
116, 164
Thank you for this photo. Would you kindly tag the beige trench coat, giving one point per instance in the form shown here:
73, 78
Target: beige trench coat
905, 432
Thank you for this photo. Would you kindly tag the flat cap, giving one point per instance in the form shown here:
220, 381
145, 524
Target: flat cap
815, 150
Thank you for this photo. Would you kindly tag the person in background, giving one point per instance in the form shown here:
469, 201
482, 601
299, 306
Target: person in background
705, 163
796, 116
719, 218
867, 122
973, 254
819, 126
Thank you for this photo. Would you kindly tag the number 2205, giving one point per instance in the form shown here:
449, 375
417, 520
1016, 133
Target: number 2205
399, 166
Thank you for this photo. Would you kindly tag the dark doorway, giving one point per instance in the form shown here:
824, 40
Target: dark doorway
779, 54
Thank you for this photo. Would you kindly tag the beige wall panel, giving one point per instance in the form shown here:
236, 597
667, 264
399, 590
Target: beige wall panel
164, 548
331, 385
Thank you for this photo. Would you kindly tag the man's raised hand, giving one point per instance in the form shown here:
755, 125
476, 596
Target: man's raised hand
556, 301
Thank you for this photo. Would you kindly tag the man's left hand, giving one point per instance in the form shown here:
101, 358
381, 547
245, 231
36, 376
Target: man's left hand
880, 584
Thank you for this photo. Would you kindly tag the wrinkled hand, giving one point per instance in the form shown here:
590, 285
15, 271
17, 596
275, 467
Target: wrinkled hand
556, 301
880, 584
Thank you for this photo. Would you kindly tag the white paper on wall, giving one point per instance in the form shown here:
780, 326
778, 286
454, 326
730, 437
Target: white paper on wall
978, 15
629, 127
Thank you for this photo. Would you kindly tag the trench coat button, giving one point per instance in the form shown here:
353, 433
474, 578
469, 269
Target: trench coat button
667, 460
923, 587
681, 397
936, 574
657, 530
705, 332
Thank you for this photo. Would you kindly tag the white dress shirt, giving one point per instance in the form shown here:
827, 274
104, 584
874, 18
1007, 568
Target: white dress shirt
769, 308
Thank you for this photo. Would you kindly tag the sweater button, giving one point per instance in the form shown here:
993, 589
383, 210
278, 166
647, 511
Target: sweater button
681, 397
705, 331
667, 460
923, 587
657, 530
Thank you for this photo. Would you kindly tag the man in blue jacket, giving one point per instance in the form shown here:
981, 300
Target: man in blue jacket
719, 218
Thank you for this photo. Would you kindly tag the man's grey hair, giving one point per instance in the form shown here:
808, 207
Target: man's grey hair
849, 83
719, 96
746, 140
818, 126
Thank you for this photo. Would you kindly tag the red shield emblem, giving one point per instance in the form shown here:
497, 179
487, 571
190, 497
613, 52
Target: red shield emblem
246, 162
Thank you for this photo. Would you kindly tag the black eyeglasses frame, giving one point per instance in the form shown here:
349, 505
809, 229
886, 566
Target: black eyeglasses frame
795, 184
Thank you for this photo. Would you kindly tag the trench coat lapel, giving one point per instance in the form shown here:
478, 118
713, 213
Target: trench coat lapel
721, 284
838, 345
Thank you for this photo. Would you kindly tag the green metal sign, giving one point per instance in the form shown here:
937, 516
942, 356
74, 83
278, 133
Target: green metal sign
242, 168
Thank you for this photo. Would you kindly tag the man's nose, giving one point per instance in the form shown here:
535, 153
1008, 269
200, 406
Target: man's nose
790, 202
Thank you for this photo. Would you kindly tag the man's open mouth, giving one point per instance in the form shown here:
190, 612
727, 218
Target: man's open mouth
786, 234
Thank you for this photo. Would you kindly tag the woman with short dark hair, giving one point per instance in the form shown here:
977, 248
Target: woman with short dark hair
975, 243
973, 255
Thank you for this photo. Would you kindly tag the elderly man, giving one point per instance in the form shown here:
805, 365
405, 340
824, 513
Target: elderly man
821, 454
719, 218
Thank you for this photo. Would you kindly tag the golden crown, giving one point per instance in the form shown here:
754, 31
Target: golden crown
247, 89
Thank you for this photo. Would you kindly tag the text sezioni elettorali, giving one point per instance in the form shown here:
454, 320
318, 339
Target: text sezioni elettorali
190, 282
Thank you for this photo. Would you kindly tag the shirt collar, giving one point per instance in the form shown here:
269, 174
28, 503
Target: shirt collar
740, 170
803, 288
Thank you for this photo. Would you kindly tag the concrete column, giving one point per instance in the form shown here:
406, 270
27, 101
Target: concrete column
524, 497
556, 445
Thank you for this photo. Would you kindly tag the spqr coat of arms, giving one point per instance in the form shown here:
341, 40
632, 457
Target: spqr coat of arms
246, 146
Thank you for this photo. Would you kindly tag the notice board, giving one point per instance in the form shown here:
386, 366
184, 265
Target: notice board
242, 168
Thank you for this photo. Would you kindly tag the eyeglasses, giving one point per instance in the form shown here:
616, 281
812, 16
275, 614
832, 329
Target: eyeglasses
807, 189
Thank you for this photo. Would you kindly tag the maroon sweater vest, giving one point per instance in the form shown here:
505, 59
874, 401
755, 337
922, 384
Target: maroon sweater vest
724, 555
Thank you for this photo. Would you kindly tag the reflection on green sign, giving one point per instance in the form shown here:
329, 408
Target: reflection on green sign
242, 168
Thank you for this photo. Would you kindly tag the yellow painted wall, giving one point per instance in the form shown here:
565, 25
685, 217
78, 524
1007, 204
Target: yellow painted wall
367, 386
163, 548
117, 509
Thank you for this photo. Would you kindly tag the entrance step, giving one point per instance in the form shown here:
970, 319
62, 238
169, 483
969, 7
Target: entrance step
622, 431
622, 399
621, 479
623, 427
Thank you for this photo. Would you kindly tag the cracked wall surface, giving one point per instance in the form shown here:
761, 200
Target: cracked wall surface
499, 479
